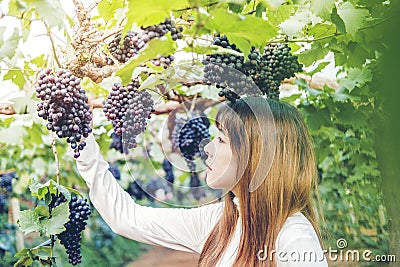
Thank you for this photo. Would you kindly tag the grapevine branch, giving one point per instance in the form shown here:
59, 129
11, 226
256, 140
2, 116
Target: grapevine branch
53, 47
315, 82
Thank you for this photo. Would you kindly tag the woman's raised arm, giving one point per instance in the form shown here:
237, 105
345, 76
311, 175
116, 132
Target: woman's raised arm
175, 228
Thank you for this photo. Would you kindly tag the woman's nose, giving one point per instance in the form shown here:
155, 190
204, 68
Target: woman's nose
209, 148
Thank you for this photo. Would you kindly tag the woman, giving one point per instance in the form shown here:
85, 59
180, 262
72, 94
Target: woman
263, 156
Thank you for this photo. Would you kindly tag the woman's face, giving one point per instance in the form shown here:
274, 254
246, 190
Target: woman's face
222, 163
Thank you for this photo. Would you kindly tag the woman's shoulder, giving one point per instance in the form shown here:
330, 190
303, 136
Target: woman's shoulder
296, 228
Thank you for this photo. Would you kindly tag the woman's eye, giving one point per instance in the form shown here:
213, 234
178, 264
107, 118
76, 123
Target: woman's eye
220, 140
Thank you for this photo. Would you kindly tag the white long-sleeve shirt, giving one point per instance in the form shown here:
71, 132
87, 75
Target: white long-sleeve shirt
182, 228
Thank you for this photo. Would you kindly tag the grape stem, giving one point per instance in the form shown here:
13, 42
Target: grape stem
101, 39
53, 145
193, 103
53, 47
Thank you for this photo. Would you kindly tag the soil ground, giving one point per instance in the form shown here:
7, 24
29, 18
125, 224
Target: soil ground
164, 257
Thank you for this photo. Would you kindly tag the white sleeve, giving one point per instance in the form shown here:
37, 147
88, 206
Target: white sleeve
176, 228
298, 246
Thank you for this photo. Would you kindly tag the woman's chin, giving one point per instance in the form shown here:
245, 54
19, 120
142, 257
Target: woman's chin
212, 183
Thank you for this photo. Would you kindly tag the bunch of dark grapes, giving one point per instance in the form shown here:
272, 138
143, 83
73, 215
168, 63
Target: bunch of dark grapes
169, 174
6, 181
275, 65
135, 189
115, 171
116, 142
79, 212
188, 136
260, 74
64, 105
162, 61
229, 72
123, 52
128, 109
133, 42
195, 188
3, 203
5, 189
157, 188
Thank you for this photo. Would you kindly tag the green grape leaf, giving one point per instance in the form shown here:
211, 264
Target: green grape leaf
321, 30
22, 253
24, 261
356, 77
16, 8
40, 190
55, 224
29, 221
140, 13
337, 20
42, 211
237, 29
51, 11
93, 87
322, 8
16, 76
163, 46
320, 67
236, 8
8, 47
107, 8
353, 18
275, 3
291, 98
317, 52
281, 14
39, 61
260, 8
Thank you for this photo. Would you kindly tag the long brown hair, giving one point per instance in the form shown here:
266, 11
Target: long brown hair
287, 185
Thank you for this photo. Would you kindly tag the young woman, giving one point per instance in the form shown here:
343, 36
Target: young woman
263, 157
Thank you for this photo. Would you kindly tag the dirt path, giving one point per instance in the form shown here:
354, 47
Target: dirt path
164, 257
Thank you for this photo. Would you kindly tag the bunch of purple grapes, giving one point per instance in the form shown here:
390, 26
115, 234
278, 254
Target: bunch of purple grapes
5, 189
135, 189
116, 142
6, 181
195, 189
169, 174
64, 105
128, 109
162, 61
79, 212
133, 42
188, 136
260, 74
229, 72
3, 203
113, 168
